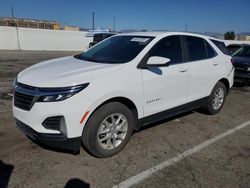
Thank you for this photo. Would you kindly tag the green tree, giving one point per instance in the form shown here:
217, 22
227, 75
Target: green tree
229, 35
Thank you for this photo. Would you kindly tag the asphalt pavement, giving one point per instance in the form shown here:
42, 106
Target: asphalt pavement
218, 147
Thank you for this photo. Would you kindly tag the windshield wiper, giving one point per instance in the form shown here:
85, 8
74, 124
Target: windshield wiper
86, 58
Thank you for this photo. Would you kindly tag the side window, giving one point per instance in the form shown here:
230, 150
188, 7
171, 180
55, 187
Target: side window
196, 48
221, 46
169, 47
210, 51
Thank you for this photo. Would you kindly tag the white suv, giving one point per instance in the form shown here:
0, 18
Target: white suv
100, 97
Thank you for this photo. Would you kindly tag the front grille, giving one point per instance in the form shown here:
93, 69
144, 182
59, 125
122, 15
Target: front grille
23, 101
52, 123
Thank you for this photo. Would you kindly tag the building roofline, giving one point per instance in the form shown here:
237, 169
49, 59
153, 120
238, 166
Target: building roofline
27, 19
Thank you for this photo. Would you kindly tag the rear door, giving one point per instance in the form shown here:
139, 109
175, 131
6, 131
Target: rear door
205, 67
166, 87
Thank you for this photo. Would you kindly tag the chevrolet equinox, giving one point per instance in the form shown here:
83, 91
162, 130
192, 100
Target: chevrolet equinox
100, 97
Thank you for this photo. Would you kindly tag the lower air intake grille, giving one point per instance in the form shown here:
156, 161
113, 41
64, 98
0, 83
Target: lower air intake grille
52, 123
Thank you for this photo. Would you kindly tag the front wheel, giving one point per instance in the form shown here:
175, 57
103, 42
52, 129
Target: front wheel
216, 99
108, 130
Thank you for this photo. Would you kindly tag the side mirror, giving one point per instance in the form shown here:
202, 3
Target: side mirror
156, 61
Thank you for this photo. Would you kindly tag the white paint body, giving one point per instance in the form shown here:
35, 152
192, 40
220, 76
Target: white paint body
177, 85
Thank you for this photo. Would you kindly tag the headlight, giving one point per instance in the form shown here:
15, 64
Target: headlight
248, 69
59, 94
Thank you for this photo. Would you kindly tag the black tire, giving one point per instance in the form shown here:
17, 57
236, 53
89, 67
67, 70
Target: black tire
90, 136
209, 108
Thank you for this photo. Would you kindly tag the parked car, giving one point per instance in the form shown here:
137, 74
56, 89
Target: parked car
98, 37
234, 47
123, 83
241, 60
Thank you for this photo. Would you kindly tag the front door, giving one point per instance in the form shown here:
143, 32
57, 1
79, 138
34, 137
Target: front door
166, 87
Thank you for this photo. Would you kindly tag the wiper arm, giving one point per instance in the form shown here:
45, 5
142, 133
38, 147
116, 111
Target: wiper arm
86, 58
94, 60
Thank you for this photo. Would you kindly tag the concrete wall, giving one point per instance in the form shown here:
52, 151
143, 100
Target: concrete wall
8, 38
12, 38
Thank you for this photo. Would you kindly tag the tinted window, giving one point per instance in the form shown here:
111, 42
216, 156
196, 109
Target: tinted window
210, 51
170, 47
233, 47
98, 37
118, 49
221, 46
243, 52
196, 48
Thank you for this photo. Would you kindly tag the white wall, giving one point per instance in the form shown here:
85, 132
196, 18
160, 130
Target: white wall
8, 38
12, 38
42, 39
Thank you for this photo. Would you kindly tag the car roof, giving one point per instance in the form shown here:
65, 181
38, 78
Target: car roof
163, 34
105, 33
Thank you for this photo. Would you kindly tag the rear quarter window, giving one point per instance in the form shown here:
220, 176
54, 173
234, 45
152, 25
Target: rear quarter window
210, 51
221, 46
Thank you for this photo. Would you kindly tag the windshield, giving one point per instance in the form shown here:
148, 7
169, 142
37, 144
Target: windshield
243, 52
118, 49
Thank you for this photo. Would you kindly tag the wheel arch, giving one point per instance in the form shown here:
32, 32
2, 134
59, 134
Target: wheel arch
226, 83
123, 100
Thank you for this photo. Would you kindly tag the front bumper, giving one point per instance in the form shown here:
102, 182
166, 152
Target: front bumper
49, 139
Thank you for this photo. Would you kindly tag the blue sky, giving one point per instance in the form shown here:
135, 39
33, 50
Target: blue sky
200, 15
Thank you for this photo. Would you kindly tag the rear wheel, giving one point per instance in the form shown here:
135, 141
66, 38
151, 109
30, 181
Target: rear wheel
216, 99
108, 130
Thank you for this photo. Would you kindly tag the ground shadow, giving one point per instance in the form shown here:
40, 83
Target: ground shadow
240, 85
76, 183
151, 125
5, 173
55, 149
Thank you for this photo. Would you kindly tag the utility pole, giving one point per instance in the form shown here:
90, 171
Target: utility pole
114, 24
186, 27
17, 33
93, 20
12, 11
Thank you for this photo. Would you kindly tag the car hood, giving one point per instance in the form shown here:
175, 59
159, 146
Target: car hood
241, 61
62, 72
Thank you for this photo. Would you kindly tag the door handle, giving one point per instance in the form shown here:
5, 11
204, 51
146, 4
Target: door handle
183, 69
215, 63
